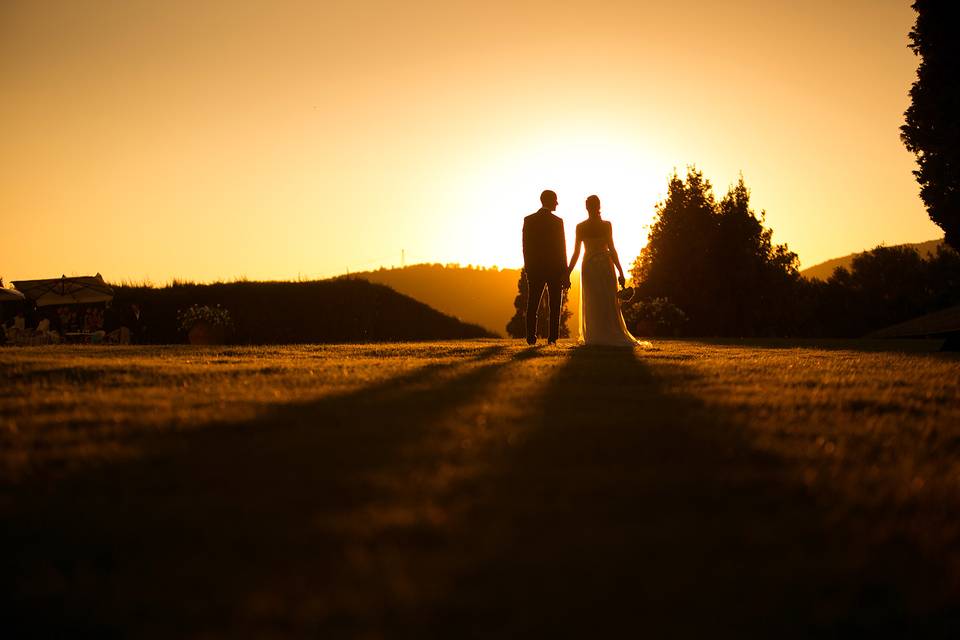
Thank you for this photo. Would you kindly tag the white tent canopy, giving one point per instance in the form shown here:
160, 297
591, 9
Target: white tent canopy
64, 290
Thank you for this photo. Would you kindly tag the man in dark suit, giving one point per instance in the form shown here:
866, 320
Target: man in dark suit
545, 262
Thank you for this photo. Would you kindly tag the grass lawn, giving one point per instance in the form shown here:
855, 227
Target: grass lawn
481, 489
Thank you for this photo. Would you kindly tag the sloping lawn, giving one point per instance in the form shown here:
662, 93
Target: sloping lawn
481, 489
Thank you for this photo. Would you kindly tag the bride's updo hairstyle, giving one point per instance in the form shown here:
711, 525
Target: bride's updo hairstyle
593, 207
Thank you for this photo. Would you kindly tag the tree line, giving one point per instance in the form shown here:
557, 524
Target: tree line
711, 268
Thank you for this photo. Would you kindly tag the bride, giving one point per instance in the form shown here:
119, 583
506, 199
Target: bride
601, 322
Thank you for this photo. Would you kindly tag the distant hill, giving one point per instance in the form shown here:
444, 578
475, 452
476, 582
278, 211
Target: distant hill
476, 295
299, 312
824, 270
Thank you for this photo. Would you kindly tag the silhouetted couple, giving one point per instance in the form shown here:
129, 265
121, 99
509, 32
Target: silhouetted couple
545, 262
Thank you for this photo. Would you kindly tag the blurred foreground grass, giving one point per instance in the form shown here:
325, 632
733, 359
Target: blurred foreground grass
481, 488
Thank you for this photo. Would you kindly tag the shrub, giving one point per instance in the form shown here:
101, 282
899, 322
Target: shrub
654, 317
215, 316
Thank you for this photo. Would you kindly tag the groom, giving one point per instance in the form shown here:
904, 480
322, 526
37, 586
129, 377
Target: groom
545, 261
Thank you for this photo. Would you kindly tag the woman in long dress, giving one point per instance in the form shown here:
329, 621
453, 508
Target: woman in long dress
601, 322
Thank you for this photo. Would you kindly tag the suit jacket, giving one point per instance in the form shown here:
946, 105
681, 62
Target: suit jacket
544, 245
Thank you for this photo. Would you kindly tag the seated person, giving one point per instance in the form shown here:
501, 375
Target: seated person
17, 329
44, 334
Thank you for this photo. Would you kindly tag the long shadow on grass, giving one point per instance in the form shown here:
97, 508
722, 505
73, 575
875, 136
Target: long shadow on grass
624, 509
227, 524
631, 511
919, 346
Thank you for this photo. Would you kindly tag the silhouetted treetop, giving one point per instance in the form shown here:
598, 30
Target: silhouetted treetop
716, 261
932, 128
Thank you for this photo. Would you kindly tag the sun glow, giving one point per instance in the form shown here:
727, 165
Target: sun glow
307, 139
625, 178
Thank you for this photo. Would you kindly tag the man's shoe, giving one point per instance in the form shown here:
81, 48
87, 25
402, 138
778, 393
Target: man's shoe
531, 341
551, 343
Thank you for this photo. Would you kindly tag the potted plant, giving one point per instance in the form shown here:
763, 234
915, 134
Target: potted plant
204, 324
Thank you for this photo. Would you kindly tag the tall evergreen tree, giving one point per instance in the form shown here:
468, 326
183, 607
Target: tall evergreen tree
757, 280
932, 128
717, 262
677, 256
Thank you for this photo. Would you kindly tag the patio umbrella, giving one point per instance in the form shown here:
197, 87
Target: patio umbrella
64, 290
9, 295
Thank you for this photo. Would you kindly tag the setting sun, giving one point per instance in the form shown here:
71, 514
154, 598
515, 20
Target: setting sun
618, 170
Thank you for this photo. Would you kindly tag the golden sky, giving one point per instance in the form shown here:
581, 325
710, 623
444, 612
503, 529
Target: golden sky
218, 139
